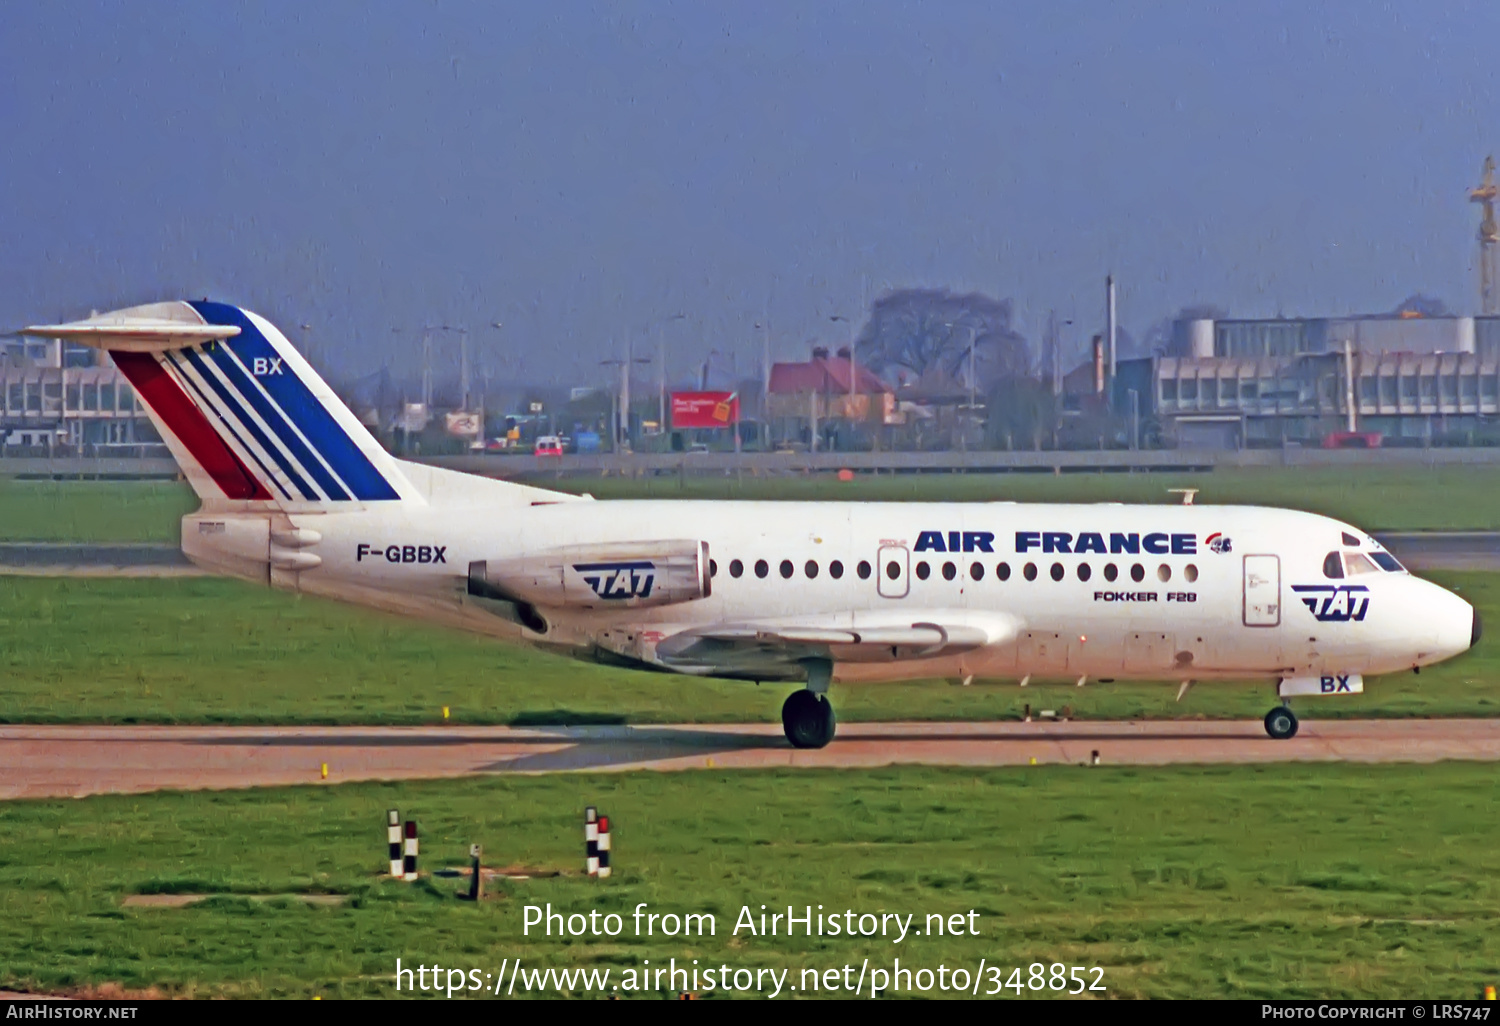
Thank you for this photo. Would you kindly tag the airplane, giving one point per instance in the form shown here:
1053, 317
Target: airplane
298, 495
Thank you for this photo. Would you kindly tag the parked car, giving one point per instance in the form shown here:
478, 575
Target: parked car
548, 445
1352, 440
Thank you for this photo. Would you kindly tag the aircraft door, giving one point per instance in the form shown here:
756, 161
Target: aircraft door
1262, 591
892, 571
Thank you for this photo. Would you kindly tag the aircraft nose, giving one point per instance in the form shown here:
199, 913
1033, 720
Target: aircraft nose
1475, 631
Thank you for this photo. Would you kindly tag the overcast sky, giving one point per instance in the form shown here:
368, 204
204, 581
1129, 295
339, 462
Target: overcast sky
581, 171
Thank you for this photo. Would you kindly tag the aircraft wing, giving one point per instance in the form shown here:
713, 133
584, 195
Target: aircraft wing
772, 649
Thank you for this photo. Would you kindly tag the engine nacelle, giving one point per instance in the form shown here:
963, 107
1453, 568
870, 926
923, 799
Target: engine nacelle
610, 575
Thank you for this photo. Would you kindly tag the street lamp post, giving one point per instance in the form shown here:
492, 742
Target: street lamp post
973, 334
764, 327
704, 367
963, 437
463, 368
661, 356
620, 402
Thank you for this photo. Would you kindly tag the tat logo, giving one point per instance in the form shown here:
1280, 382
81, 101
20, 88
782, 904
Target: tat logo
625, 580
1218, 543
1334, 603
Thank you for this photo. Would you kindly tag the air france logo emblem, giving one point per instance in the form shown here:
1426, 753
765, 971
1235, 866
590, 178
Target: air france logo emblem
624, 580
1216, 542
265, 366
1334, 603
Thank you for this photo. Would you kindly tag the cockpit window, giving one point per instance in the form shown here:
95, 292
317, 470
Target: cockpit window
1333, 566
1386, 561
1350, 540
1355, 563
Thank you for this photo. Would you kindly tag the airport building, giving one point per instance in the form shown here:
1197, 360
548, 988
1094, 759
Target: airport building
1391, 380
62, 399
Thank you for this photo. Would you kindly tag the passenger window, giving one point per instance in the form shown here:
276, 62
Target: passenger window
1190, 572
1029, 572
1355, 563
923, 571
949, 571
1333, 567
1164, 573
1084, 573
835, 570
1057, 571
811, 569
787, 569
1002, 571
863, 570
761, 568
1111, 571
713, 568
1137, 572
976, 571
893, 569
736, 568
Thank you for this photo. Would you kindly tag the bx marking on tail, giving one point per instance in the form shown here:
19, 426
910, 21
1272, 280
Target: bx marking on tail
245, 415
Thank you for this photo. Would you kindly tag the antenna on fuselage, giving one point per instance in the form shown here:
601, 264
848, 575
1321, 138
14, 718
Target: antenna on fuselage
1186, 493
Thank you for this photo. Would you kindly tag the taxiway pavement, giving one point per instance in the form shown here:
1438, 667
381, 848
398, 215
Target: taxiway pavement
69, 761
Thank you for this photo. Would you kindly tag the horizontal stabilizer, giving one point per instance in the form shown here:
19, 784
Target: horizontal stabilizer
155, 327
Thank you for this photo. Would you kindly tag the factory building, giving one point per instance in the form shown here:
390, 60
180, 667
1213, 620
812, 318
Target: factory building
1406, 380
62, 399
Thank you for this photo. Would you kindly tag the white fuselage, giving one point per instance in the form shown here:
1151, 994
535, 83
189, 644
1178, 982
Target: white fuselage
1099, 591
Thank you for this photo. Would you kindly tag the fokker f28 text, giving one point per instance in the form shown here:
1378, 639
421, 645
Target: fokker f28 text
297, 494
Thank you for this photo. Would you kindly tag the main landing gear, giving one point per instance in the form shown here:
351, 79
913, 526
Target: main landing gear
807, 715
807, 719
1281, 723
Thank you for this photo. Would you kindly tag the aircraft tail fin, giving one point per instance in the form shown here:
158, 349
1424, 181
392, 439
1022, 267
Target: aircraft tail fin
246, 417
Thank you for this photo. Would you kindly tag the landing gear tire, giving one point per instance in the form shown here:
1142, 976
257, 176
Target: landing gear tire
1281, 723
807, 719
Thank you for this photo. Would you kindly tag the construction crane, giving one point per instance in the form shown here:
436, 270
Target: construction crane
1489, 239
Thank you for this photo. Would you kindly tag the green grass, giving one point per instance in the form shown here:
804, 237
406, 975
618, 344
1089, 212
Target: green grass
1283, 881
93, 511
1375, 498
212, 651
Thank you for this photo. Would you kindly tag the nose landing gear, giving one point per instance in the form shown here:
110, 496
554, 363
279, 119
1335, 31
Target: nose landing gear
1281, 723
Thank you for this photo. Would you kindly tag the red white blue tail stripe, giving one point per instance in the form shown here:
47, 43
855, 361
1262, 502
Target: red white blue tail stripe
246, 410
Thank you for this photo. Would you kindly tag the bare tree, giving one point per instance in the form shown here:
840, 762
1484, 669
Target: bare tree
925, 330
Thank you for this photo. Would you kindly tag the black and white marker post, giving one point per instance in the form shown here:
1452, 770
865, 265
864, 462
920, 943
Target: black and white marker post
591, 840
393, 840
409, 863
603, 847
476, 880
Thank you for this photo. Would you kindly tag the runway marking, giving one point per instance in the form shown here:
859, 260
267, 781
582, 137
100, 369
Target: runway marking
70, 761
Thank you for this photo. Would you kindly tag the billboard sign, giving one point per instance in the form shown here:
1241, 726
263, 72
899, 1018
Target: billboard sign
705, 409
461, 424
